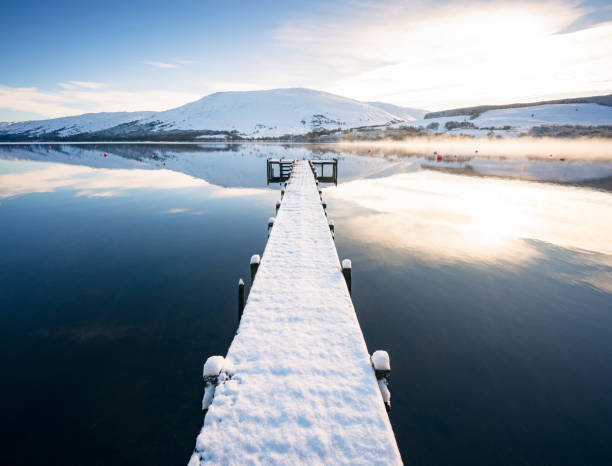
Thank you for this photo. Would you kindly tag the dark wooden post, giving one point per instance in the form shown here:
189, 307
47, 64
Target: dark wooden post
278, 203
347, 268
270, 224
332, 228
241, 299
255, 260
382, 371
324, 204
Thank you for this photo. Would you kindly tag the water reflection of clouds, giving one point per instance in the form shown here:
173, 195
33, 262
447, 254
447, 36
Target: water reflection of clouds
101, 182
448, 218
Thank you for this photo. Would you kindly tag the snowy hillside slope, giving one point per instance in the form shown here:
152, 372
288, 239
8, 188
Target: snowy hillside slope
274, 112
405, 113
514, 121
70, 126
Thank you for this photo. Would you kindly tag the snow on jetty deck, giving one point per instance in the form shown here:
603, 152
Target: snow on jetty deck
298, 386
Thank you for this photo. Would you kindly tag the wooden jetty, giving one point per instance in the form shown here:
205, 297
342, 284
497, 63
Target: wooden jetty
297, 385
326, 170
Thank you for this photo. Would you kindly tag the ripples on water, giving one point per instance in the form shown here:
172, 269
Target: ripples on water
488, 280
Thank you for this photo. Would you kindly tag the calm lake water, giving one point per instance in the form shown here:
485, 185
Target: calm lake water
488, 281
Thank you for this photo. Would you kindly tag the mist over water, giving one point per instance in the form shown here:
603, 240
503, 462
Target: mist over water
571, 148
487, 278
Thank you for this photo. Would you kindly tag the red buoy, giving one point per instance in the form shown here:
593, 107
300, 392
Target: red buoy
105, 154
439, 158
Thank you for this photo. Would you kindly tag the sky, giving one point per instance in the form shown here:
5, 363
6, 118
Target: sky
67, 57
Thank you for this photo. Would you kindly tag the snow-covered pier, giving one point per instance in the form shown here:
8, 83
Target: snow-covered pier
297, 385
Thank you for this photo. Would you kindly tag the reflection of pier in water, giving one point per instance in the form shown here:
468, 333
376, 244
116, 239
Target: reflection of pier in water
278, 170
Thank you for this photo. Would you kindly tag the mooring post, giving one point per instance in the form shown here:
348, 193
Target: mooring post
278, 203
241, 299
211, 372
347, 268
320, 194
255, 260
331, 228
382, 370
270, 224
282, 193
324, 204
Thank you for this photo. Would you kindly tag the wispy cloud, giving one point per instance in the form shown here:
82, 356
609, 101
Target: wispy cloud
72, 99
161, 64
467, 53
81, 85
176, 210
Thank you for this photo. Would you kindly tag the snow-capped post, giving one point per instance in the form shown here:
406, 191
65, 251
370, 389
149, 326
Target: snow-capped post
212, 368
255, 260
278, 203
320, 194
331, 228
324, 204
347, 268
282, 193
382, 370
241, 299
270, 224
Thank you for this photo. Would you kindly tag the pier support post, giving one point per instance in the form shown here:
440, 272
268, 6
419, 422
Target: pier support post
270, 224
278, 203
324, 204
347, 268
382, 370
211, 372
282, 193
241, 299
332, 228
255, 260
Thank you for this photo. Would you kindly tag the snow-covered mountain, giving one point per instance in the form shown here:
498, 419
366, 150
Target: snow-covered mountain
405, 113
275, 112
537, 120
293, 112
73, 125
251, 114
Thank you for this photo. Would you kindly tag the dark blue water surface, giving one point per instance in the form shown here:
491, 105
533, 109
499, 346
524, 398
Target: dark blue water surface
493, 297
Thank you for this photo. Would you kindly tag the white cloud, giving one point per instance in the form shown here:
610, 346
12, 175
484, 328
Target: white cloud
446, 55
176, 210
81, 85
95, 97
161, 64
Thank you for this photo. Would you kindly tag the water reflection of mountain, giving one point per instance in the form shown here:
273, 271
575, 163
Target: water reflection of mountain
243, 165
